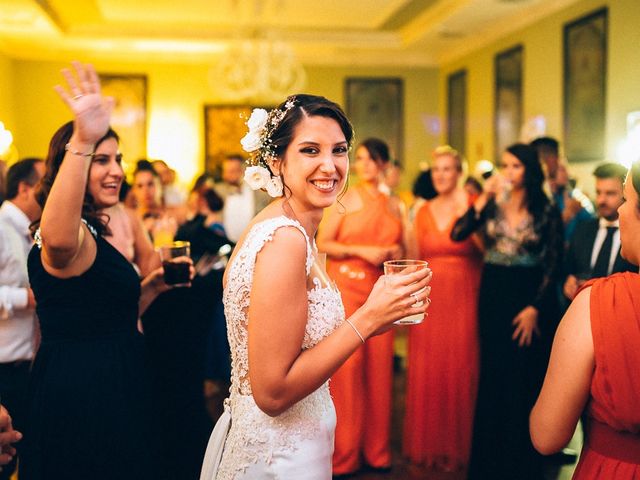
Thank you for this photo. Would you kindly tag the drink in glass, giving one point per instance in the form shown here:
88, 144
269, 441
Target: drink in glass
393, 267
176, 269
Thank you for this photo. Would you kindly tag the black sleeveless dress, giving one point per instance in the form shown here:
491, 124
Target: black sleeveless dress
89, 404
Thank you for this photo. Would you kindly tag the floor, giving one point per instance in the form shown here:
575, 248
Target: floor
402, 470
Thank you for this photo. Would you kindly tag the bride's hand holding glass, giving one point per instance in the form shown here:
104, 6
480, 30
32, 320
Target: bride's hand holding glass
394, 297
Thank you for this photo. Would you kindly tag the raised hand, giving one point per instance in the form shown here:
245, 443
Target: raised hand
91, 111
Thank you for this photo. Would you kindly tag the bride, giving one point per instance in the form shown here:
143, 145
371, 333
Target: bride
285, 319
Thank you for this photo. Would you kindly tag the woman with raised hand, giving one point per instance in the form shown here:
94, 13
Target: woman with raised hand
89, 406
592, 372
285, 319
517, 311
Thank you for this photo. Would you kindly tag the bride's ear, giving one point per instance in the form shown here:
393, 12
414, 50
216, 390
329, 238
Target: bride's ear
275, 165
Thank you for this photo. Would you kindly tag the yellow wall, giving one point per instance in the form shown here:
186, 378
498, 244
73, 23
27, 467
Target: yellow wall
543, 83
176, 95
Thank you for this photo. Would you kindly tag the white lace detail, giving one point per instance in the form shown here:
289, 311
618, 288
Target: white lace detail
254, 436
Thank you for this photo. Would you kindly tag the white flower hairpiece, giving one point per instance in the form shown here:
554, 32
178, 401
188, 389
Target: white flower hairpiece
258, 143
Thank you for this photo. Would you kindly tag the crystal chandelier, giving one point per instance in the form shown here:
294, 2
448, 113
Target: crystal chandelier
260, 71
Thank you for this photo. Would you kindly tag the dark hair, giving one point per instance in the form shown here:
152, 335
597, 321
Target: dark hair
533, 177
474, 182
307, 106
90, 212
125, 188
22, 171
378, 150
610, 170
423, 186
214, 201
546, 146
634, 175
234, 157
201, 182
144, 165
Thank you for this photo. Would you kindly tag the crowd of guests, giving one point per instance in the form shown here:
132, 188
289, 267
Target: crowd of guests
508, 257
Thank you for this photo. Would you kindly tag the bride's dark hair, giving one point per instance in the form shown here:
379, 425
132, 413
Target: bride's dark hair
307, 106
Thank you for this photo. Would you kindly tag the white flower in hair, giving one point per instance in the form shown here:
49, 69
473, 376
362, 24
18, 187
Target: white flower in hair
251, 142
275, 187
258, 120
257, 177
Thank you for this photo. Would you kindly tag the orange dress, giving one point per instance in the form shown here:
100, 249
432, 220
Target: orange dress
362, 386
612, 430
442, 366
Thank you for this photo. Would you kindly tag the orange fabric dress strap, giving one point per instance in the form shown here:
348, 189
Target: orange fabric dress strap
602, 439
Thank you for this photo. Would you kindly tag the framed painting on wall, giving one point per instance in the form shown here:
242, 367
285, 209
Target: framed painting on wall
375, 108
585, 71
508, 99
129, 117
457, 110
224, 126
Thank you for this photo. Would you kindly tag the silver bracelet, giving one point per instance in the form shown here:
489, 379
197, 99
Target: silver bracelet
70, 149
354, 329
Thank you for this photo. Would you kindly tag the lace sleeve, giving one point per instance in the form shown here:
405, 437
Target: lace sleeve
472, 221
552, 237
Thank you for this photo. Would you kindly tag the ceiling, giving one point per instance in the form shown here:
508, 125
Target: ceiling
337, 32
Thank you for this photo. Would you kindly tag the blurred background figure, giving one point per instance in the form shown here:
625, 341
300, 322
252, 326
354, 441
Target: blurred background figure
593, 368
210, 250
147, 190
3, 173
241, 203
358, 235
442, 366
422, 190
472, 186
594, 250
548, 149
518, 311
17, 304
174, 198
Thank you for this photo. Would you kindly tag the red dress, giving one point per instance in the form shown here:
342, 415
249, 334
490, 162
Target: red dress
612, 447
442, 367
362, 387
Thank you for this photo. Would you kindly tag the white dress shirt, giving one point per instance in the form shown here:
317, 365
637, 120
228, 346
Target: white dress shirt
17, 322
239, 209
600, 237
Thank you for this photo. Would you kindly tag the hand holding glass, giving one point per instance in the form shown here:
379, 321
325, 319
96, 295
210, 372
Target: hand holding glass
393, 267
176, 268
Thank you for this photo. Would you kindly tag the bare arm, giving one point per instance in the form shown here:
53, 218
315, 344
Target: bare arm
566, 386
145, 256
281, 373
64, 248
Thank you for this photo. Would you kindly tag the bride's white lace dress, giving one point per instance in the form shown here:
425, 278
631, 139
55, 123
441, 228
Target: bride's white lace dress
297, 444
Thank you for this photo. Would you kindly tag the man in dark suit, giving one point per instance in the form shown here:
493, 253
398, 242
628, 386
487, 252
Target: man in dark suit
594, 250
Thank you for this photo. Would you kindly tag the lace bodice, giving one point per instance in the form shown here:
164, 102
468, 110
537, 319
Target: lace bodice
255, 436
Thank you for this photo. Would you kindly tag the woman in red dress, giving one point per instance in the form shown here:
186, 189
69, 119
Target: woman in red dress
594, 364
442, 367
358, 235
